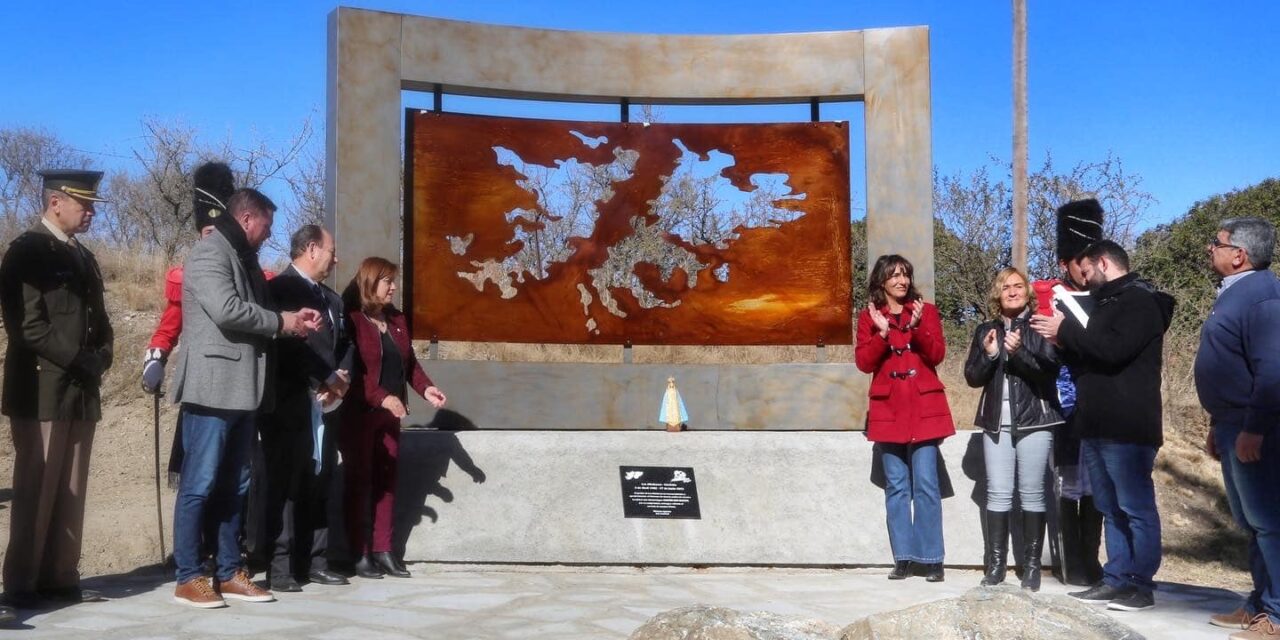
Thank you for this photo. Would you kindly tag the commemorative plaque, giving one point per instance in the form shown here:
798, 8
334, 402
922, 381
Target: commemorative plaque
659, 492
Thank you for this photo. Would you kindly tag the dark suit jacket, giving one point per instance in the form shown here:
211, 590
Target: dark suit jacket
60, 339
305, 363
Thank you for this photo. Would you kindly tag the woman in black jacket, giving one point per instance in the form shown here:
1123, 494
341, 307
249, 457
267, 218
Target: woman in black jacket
1016, 369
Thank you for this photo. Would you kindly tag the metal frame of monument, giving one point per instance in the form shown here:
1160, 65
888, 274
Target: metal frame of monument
551, 493
374, 56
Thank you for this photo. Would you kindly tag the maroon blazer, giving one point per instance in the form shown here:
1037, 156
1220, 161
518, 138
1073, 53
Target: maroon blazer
908, 402
365, 380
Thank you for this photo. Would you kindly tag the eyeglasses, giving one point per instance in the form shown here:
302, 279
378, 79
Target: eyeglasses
1215, 243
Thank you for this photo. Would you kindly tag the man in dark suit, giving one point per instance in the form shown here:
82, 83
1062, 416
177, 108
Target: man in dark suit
298, 435
60, 345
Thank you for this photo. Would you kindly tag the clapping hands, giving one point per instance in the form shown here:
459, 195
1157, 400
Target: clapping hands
881, 322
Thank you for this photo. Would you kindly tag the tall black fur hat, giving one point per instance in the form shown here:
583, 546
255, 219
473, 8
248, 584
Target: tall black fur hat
214, 185
1079, 225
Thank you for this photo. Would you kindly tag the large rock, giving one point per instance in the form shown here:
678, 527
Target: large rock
1000, 613
701, 622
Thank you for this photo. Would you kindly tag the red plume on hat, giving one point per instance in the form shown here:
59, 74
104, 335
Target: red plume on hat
214, 185
1079, 225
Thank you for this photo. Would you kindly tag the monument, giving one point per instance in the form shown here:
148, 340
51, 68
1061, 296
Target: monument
538, 462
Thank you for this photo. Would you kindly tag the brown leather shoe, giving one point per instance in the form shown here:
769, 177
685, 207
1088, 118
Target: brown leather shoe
198, 593
1260, 628
1238, 619
240, 587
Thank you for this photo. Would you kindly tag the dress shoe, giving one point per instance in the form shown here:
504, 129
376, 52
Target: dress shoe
390, 564
325, 576
7, 614
901, 569
70, 595
933, 572
24, 600
366, 568
285, 584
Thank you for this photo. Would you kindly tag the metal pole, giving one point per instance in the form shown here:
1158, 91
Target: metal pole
155, 397
1020, 135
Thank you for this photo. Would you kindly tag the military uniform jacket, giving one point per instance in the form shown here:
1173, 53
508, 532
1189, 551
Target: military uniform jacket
60, 339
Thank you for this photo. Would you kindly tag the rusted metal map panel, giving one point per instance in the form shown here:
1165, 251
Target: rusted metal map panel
589, 232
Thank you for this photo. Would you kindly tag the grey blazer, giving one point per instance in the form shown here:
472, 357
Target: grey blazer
226, 331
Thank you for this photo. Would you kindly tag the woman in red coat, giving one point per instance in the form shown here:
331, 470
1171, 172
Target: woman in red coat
370, 442
900, 342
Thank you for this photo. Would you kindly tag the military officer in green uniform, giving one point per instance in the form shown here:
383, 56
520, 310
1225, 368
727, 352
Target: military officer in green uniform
60, 340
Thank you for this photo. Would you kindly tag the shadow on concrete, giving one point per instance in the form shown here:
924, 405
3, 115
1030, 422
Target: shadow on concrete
1203, 601
426, 453
6, 496
112, 587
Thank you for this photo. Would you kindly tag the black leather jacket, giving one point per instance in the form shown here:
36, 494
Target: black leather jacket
1031, 371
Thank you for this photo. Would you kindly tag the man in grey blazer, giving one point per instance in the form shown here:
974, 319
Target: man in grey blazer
223, 376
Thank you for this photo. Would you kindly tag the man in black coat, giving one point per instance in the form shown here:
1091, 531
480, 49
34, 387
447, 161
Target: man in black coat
1116, 354
60, 345
298, 436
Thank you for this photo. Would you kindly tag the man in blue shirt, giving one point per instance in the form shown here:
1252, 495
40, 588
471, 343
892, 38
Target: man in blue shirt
1238, 380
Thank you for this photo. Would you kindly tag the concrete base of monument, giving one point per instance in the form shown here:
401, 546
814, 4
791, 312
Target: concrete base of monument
765, 498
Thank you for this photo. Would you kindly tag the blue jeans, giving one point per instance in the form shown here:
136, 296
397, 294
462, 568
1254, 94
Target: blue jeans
215, 480
1125, 495
1252, 492
913, 501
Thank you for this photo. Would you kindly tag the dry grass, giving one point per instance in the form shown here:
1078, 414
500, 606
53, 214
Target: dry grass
134, 276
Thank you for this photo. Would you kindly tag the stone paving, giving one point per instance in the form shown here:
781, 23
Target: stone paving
537, 602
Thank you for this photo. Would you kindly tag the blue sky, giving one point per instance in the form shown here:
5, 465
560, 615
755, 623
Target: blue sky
1185, 93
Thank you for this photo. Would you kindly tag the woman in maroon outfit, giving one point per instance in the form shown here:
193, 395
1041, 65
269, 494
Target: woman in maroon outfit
370, 442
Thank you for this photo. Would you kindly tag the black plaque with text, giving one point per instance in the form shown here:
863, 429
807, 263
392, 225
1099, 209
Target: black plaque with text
659, 492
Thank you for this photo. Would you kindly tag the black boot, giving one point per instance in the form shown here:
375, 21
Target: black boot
901, 569
933, 572
997, 551
1090, 540
366, 568
390, 564
1032, 546
1069, 568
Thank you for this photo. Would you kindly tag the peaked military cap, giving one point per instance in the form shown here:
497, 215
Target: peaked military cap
1079, 225
77, 183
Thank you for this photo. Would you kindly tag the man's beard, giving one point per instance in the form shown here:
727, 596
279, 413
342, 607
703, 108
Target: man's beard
1094, 281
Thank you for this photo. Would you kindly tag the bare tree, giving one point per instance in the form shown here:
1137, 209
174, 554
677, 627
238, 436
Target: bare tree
974, 217
152, 205
24, 151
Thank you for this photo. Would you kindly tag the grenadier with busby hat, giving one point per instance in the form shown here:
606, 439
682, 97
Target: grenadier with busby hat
213, 184
1079, 224
60, 345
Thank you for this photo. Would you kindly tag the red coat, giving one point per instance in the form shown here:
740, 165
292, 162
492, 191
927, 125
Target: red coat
904, 407
170, 327
366, 391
